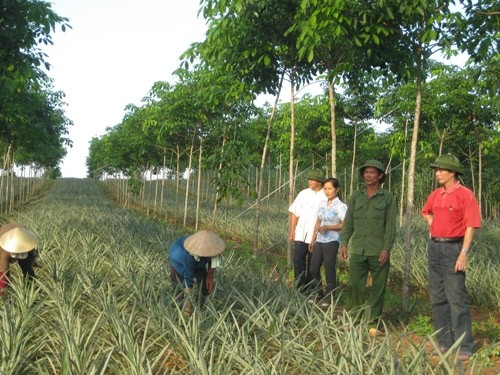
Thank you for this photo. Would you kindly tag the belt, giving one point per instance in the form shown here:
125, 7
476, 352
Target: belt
447, 239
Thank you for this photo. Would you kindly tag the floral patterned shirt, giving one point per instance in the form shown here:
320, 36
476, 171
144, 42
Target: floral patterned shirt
331, 214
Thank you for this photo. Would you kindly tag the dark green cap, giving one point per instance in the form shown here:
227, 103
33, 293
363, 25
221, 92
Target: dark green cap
449, 162
316, 175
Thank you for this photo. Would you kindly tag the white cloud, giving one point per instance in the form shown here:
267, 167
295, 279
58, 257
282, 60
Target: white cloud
115, 52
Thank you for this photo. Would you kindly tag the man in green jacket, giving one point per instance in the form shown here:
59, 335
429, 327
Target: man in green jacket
370, 226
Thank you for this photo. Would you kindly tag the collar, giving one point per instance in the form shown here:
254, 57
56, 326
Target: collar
451, 189
316, 192
379, 191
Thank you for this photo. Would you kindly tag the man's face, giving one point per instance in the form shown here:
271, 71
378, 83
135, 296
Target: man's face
372, 176
444, 176
315, 185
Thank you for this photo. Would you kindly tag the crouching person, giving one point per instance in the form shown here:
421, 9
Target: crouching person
17, 244
193, 261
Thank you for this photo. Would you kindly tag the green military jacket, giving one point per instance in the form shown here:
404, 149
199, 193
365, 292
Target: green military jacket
370, 223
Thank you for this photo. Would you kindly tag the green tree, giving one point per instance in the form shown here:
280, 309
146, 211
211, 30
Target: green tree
32, 122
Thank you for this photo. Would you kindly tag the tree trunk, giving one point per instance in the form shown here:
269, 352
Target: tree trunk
11, 172
214, 212
472, 177
198, 189
291, 176
480, 176
4, 182
186, 197
150, 186
353, 162
163, 183
261, 172
331, 97
411, 182
177, 181
401, 202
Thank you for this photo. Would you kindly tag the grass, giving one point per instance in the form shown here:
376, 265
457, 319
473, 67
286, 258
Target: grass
102, 304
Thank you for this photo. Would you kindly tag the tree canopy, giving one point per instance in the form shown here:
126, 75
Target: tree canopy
33, 125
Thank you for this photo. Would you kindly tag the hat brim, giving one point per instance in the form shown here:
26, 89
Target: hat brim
18, 240
447, 167
315, 179
204, 244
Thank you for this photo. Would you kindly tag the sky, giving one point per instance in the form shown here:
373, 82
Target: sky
112, 56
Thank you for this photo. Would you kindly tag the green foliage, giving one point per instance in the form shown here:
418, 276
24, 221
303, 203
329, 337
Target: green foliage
32, 122
421, 325
489, 328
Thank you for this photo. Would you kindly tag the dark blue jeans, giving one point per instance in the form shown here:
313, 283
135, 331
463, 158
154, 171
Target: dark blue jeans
301, 264
325, 253
448, 294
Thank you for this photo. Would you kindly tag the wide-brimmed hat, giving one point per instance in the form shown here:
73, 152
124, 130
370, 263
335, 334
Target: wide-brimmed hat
18, 240
316, 175
204, 244
449, 162
375, 164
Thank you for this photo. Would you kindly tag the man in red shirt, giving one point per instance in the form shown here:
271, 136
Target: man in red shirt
452, 212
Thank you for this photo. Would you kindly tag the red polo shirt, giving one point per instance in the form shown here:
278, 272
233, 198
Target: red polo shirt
453, 210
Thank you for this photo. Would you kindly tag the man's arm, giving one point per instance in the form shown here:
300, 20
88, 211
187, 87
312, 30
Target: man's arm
293, 223
210, 282
428, 218
461, 263
347, 228
390, 231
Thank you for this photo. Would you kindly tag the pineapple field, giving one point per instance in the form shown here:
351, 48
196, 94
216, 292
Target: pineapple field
102, 304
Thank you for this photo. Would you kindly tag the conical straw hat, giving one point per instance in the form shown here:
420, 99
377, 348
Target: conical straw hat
204, 244
18, 240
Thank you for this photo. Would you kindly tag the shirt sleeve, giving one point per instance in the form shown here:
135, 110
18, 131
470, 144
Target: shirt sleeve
188, 271
295, 208
390, 226
182, 262
472, 213
347, 226
427, 209
342, 209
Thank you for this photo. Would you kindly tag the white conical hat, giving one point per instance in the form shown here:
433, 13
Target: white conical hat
18, 240
204, 244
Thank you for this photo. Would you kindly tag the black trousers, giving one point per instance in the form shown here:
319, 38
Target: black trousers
325, 254
26, 264
301, 266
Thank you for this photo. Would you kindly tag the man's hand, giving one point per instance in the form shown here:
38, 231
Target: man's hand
384, 257
343, 252
461, 263
210, 281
